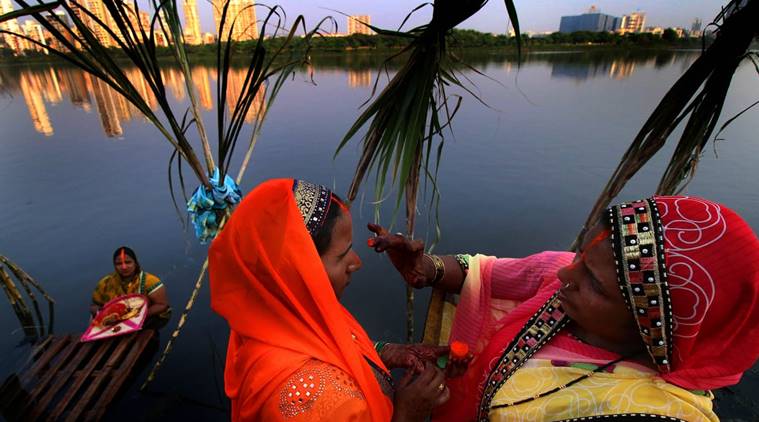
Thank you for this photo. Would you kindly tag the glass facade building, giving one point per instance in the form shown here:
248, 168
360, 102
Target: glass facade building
592, 22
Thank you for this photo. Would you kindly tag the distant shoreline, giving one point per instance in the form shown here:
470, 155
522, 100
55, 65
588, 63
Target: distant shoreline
205, 56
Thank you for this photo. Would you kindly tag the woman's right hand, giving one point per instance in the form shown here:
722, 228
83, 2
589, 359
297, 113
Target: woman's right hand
406, 255
416, 397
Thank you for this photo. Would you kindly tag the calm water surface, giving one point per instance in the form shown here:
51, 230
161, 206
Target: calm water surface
81, 172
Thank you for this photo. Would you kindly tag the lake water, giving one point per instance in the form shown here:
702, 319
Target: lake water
81, 172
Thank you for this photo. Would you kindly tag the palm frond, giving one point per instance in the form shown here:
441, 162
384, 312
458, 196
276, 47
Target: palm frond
405, 118
698, 95
45, 7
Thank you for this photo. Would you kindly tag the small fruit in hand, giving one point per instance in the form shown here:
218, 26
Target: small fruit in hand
459, 350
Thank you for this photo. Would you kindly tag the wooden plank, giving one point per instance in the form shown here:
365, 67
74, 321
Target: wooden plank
49, 375
38, 348
15, 385
61, 376
121, 374
48, 355
11, 395
101, 375
101, 350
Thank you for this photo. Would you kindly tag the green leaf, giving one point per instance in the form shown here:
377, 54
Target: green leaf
45, 7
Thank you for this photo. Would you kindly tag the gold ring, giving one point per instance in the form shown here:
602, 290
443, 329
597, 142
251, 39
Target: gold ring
441, 387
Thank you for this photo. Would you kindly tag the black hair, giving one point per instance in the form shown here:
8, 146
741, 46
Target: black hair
129, 252
323, 236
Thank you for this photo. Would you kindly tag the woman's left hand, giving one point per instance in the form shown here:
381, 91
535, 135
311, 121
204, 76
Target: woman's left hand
411, 356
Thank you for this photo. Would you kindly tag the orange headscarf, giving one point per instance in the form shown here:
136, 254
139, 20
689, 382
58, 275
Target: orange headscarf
268, 282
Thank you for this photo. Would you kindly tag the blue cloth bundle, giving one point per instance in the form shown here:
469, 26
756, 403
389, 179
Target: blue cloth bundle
205, 206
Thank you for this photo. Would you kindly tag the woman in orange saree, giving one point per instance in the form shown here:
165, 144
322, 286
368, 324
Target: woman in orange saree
277, 271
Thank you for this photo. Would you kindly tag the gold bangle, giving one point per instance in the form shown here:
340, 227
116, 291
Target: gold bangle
439, 265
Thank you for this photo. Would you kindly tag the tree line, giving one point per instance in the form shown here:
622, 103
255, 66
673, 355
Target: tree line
458, 38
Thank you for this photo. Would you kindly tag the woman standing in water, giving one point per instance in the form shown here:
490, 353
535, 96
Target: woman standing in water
277, 271
128, 277
659, 305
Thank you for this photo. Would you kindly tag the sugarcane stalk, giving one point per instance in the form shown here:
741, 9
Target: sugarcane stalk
20, 308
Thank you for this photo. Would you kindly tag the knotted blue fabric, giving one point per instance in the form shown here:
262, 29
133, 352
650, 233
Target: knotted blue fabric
206, 205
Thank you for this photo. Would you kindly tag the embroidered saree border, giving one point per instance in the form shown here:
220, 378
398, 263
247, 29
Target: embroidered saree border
638, 243
540, 328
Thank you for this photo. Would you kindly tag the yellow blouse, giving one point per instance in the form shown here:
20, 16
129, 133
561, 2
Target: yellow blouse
111, 286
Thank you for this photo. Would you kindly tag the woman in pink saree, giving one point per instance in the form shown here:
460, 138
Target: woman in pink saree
659, 306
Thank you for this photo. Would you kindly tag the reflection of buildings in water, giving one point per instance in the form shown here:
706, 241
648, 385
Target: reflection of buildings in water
52, 87
72, 82
621, 69
141, 85
32, 90
235, 81
202, 86
579, 71
175, 81
107, 107
359, 78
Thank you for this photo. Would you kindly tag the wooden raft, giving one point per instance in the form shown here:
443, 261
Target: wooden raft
68, 380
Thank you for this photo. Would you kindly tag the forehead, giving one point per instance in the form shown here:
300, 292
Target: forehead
597, 251
343, 226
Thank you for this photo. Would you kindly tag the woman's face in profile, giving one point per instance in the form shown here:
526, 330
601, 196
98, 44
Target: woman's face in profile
590, 293
340, 260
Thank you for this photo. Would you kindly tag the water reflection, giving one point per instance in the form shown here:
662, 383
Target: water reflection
617, 69
48, 86
43, 86
359, 78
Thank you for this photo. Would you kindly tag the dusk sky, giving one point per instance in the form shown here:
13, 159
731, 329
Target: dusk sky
534, 15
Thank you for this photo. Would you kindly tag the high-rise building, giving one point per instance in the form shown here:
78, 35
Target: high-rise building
192, 33
356, 24
241, 13
34, 31
592, 22
18, 45
61, 23
98, 10
695, 28
632, 23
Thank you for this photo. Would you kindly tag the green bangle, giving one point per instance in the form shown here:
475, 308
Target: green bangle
379, 345
463, 260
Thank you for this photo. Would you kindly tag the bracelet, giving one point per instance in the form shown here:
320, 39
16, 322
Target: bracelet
463, 260
379, 345
437, 262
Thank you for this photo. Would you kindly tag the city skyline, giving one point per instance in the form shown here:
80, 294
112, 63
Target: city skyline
534, 16
200, 19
